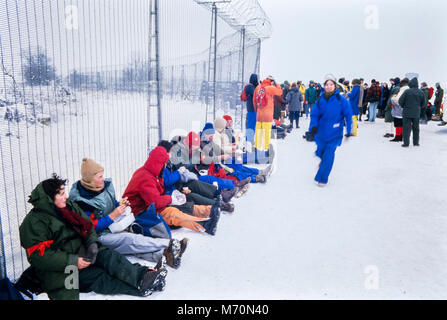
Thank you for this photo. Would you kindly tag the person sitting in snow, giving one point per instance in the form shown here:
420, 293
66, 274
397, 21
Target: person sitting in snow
147, 186
57, 235
196, 191
95, 195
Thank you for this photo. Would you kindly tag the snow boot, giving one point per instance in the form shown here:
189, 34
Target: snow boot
211, 224
172, 254
260, 178
227, 207
266, 171
183, 245
228, 194
397, 139
240, 184
242, 191
153, 280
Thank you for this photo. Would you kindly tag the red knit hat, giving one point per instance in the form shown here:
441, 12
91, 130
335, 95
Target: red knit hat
227, 117
192, 139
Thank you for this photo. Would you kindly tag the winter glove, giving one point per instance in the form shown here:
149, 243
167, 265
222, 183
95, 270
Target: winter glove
188, 175
92, 252
182, 170
178, 198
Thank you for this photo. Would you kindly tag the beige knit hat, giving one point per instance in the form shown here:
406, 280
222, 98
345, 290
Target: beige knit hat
220, 124
88, 169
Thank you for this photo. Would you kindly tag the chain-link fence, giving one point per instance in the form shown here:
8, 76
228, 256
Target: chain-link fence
79, 79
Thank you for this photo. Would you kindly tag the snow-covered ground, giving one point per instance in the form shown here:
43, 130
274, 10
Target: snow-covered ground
377, 231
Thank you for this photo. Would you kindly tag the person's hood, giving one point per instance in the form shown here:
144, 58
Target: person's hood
156, 160
41, 201
396, 81
438, 86
414, 83
254, 79
295, 89
266, 83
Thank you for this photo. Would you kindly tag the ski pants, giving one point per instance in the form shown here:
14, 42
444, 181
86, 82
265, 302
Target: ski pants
127, 243
251, 126
262, 135
326, 152
222, 183
242, 172
410, 124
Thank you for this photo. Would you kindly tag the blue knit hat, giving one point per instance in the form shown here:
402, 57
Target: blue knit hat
208, 128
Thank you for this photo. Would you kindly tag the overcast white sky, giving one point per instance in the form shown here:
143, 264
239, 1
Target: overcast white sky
356, 38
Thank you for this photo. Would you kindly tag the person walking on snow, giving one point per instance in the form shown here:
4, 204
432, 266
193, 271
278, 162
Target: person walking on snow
412, 101
247, 95
354, 97
326, 125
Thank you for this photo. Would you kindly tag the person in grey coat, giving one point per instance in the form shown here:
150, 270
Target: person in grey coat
412, 101
294, 99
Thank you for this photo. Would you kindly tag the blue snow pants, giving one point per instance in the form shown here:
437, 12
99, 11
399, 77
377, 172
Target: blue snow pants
222, 183
242, 172
326, 152
251, 127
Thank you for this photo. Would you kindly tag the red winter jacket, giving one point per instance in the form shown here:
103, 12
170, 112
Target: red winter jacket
146, 185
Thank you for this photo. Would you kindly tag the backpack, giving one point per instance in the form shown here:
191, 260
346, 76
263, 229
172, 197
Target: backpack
244, 95
261, 98
431, 90
151, 224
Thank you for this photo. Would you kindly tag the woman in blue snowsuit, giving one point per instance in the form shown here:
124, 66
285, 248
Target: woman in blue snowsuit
326, 125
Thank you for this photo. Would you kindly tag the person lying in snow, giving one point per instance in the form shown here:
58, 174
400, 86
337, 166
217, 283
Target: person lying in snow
96, 196
146, 187
58, 236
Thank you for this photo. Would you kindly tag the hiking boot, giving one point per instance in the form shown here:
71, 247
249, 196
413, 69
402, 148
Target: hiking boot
396, 139
266, 172
211, 224
172, 254
161, 264
242, 183
227, 207
228, 194
183, 245
153, 280
261, 178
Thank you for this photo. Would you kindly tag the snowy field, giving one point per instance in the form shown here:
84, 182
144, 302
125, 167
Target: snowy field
377, 231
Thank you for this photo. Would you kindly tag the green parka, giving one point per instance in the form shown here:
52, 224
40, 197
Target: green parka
59, 243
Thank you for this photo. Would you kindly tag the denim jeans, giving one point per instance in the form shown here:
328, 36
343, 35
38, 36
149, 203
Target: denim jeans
372, 110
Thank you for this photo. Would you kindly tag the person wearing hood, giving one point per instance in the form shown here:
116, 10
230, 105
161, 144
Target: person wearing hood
412, 101
311, 96
263, 104
396, 111
424, 88
294, 100
439, 96
327, 121
394, 89
96, 196
60, 240
146, 187
248, 94
354, 97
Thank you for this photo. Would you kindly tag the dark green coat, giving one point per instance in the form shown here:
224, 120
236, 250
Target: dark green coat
43, 223
412, 100
388, 115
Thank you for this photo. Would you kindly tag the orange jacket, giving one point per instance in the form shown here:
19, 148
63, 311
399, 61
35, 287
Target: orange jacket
266, 113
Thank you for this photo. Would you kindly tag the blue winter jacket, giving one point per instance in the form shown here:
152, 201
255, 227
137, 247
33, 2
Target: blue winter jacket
354, 97
329, 117
250, 90
170, 179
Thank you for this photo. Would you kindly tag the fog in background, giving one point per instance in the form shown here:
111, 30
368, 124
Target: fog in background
356, 38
